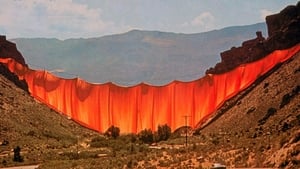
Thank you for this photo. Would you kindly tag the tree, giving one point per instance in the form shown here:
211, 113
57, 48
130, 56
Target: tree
17, 156
146, 136
164, 132
113, 132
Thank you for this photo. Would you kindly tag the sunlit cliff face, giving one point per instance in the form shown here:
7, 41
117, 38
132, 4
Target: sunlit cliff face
132, 109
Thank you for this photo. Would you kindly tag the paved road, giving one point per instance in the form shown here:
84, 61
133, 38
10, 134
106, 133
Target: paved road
23, 167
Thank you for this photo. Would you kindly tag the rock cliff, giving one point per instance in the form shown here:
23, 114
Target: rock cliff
9, 49
283, 31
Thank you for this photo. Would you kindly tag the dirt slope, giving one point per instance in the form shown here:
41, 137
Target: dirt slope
32, 126
262, 126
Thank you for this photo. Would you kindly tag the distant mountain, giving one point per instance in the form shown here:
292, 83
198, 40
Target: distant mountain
136, 56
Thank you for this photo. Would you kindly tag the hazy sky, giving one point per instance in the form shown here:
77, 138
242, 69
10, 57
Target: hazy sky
64, 19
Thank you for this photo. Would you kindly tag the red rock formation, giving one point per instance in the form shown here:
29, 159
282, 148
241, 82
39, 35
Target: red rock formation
283, 30
9, 49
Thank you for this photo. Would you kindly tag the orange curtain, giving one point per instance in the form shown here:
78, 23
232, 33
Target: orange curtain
134, 108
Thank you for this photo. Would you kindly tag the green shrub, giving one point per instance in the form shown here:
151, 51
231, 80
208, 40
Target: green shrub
285, 100
271, 111
128, 138
146, 136
215, 140
118, 145
113, 132
17, 156
99, 142
163, 132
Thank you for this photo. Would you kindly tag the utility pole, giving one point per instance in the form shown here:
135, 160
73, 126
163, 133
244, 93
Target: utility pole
186, 130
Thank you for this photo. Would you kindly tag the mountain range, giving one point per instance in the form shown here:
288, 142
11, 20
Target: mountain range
136, 56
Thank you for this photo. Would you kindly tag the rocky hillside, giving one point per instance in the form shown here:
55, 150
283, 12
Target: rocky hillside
260, 127
32, 126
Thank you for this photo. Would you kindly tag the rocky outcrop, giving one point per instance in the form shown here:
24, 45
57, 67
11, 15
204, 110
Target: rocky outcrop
283, 30
9, 49
13, 78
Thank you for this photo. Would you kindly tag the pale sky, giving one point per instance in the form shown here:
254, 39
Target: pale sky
64, 19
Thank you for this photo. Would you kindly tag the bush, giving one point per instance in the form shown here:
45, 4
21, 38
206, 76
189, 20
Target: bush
163, 132
113, 132
99, 142
287, 97
271, 112
146, 136
215, 140
128, 138
285, 100
17, 156
118, 145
